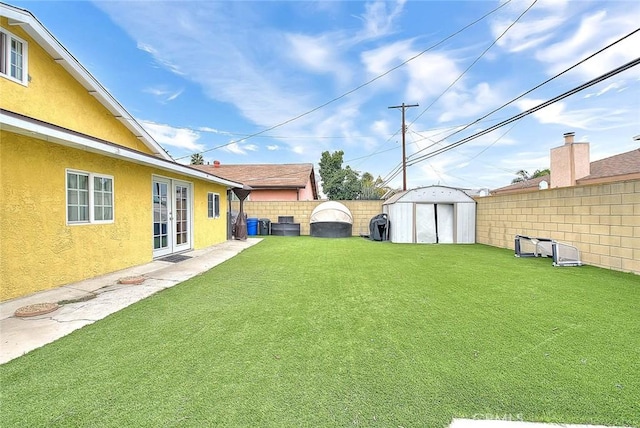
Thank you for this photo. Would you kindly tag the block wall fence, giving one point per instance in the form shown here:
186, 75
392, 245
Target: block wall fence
601, 220
362, 212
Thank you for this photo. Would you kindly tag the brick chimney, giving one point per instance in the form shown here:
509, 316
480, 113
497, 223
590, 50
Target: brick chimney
569, 162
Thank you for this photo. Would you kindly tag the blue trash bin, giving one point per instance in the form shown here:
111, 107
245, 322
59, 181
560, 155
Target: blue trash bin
252, 226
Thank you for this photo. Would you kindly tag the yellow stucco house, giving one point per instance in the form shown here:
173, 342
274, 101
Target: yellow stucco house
84, 189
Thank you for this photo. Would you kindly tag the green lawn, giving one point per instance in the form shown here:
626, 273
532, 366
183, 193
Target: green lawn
347, 332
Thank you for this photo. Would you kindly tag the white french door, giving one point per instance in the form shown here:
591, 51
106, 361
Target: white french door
172, 223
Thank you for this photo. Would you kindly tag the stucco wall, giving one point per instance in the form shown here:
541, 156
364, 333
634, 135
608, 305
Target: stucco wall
54, 96
306, 194
40, 251
362, 212
602, 220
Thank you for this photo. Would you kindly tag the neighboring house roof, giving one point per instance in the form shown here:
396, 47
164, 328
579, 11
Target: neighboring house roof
30, 24
624, 166
523, 186
618, 166
267, 176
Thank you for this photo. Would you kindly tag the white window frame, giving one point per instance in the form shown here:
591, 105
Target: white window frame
5, 57
211, 205
92, 205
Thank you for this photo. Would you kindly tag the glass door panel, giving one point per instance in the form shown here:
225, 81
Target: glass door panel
161, 218
182, 215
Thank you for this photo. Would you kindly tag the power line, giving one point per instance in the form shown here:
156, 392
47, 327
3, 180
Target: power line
474, 62
537, 86
404, 131
519, 116
451, 85
255, 134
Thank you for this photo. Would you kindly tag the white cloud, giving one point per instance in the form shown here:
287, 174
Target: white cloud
319, 54
240, 149
616, 86
201, 42
380, 60
213, 130
598, 118
167, 135
534, 28
261, 72
470, 103
234, 148
595, 31
381, 127
378, 19
162, 94
430, 75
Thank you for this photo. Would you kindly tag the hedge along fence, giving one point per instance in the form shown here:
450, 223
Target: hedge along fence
362, 212
601, 220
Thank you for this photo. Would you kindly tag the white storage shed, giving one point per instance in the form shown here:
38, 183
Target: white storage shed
433, 214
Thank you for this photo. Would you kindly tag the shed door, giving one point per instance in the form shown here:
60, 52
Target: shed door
434, 223
426, 224
444, 218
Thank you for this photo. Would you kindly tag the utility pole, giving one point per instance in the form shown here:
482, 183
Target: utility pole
404, 156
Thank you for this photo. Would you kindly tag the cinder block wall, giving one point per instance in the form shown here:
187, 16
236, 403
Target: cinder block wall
362, 212
602, 221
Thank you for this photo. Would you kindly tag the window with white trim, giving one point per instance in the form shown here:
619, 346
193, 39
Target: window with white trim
213, 205
89, 198
13, 57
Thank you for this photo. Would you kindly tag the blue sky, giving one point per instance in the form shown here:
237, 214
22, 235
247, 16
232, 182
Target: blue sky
202, 76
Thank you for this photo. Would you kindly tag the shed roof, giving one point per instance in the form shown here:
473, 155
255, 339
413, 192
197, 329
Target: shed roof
433, 194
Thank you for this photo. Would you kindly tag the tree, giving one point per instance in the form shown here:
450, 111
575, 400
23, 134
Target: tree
331, 173
340, 183
523, 175
371, 189
197, 159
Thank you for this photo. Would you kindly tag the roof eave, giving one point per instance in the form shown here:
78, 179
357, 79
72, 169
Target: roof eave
36, 30
56, 135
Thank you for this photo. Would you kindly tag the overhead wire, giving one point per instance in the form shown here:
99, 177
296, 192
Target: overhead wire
523, 114
527, 112
538, 86
394, 171
461, 75
255, 134
474, 62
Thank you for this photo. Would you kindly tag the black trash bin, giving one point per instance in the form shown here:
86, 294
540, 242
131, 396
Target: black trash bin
264, 226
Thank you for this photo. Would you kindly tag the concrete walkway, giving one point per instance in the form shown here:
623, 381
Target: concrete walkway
20, 335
